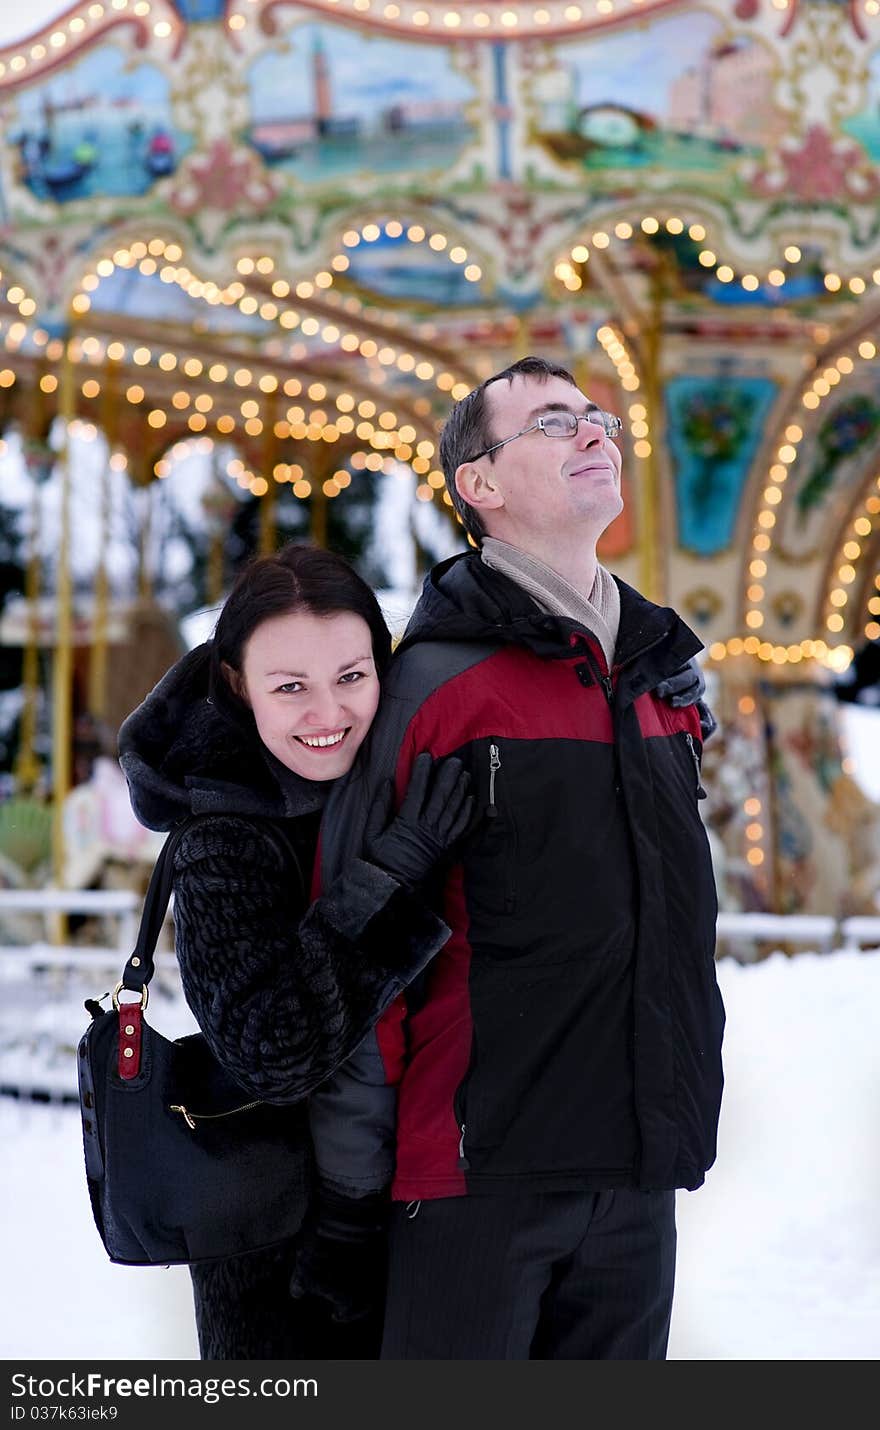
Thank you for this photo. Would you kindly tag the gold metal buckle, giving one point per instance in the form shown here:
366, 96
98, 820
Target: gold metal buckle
144, 995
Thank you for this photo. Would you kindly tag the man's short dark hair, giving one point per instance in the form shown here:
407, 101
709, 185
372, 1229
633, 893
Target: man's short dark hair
467, 432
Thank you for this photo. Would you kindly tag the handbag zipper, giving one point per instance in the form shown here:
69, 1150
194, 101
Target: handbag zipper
191, 1118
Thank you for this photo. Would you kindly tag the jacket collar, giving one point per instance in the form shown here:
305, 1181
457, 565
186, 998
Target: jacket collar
465, 600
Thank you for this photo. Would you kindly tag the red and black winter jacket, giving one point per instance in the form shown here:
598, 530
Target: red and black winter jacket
568, 1035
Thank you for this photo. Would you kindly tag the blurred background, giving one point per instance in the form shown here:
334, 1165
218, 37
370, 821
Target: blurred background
250, 253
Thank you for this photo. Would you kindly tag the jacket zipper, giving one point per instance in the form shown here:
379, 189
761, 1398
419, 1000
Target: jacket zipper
604, 680
689, 741
494, 766
492, 813
463, 1163
459, 1106
608, 686
191, 1118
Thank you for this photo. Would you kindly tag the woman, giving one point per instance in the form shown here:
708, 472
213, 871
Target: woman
252, 729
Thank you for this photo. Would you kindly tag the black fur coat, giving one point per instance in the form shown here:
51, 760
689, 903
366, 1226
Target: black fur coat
283, 993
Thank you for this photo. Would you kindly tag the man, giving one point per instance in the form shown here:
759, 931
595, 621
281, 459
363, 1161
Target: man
558, 1066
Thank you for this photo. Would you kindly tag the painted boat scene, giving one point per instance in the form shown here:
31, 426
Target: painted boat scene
97, 128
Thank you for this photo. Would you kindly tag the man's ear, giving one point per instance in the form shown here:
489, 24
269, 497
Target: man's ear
235, 680
477, 487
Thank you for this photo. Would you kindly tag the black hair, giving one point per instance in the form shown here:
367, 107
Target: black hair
296, 578
467, 432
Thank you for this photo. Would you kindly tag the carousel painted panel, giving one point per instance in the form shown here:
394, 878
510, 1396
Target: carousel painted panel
679, 95
804, 282
831, 465
146, 298
195, 11
328, 102
714, 427
101, 126
398, 266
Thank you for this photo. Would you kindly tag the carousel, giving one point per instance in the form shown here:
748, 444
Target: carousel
289, 236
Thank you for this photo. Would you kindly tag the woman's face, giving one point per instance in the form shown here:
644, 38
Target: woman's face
313, 689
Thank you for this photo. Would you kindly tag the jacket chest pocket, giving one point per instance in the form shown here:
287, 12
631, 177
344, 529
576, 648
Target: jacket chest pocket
491, 855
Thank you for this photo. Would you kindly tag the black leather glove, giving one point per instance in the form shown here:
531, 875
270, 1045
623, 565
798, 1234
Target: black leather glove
435, 812
687, 687
341, 1258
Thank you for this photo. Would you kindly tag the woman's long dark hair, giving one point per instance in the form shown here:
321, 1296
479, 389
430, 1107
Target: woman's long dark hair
296, 578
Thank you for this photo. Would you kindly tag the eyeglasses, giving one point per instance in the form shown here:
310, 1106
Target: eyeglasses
562, 424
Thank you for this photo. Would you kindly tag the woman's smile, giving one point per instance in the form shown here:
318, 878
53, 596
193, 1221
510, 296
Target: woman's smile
323, 742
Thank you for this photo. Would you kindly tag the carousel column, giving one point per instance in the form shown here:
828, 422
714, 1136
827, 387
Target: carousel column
322, 465
39, 460
268, 501
141, 475
522, 338
652, 568
98, 661
62, 693
27, 766
582, 372
216, 511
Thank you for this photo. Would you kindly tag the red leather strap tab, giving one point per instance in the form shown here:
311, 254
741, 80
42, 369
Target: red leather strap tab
130, 1025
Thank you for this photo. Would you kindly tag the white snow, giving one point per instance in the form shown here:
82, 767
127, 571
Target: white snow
779, 1253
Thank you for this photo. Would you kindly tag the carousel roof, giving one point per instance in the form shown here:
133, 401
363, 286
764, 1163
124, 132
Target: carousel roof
307, 228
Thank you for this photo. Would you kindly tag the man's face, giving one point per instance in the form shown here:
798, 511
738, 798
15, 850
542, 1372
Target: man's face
552, 487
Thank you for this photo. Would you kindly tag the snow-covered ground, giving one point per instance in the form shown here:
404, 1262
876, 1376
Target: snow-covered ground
779, 1253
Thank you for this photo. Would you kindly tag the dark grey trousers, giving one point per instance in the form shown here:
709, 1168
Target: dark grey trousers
244, 1312
535, 1276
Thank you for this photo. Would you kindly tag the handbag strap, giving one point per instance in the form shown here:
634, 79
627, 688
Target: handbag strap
141, 965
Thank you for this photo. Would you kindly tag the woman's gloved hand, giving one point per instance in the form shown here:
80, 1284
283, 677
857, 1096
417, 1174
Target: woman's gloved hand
435, 812
341, 1258
687, 687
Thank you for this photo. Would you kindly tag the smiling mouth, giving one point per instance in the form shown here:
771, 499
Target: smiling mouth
604, 467
323, 742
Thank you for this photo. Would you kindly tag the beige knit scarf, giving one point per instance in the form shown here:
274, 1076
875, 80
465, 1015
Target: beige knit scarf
599, 613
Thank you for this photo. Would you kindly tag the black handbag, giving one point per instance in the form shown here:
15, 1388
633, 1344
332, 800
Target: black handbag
181, 1165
